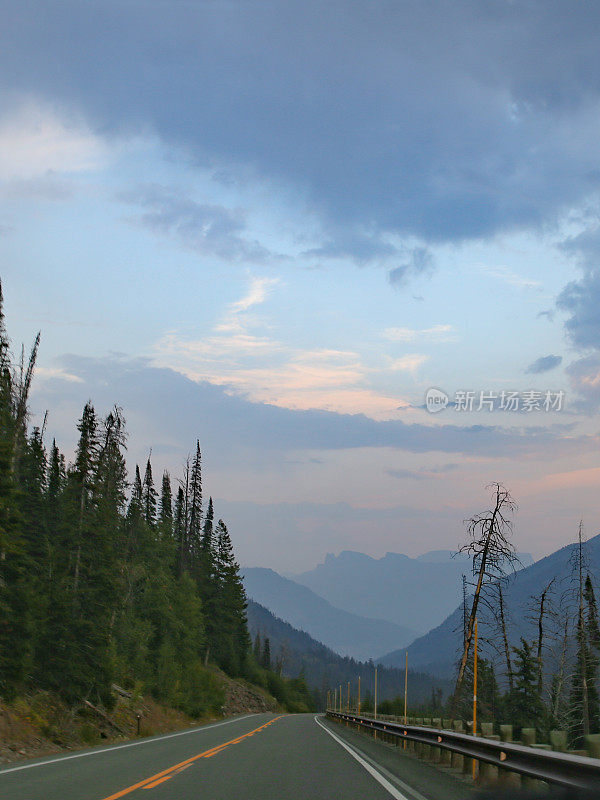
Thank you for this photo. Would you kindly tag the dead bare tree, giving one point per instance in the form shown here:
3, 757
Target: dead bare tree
558, 703
491, 551
465, 611
539, 610
580, 567
494, 601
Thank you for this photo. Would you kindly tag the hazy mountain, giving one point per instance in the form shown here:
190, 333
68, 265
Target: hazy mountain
416, 593
325, 669
345, 633
437, 651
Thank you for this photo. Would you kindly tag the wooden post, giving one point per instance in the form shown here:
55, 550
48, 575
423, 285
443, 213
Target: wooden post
405, 691
375, 704
475, 697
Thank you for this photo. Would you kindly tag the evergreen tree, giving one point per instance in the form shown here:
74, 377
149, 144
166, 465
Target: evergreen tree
231, 639
524, 703
266, 654
257, 648
194, 505
80, 487
165, 509
14, 611
180, 531
149, 496
207, 545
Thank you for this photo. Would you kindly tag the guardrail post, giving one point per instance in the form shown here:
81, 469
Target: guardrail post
559, 741
427, 749
488, 773
528, 738
592, 744
470, 763
446, 755
436, 752
506, 777
457, 760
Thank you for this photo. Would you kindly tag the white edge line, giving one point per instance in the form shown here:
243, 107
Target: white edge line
371, 770
122, 746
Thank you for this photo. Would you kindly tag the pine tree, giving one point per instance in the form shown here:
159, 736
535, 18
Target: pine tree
14, 612
149, 496
165, 508
137, 491
207, 545
266, 654
231, 641
180, 531
33, 501
525, 704
257, 648
80, 487
194, 505
205, 568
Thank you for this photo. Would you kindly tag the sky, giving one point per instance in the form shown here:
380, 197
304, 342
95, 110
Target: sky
277, 227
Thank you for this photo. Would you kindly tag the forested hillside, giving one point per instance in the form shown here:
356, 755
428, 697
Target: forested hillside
103, 579
294, 653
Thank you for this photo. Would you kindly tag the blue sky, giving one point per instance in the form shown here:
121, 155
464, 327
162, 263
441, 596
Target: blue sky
275, 226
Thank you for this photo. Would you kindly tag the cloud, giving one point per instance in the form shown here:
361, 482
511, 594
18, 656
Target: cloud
510, 277
549, 314
202, 227
543, 364
44, 187
419, 262
239, 356
408, 363
56, 373
584, 375
437, 333
580, 298
165, 401
257, 294
358, 248
411, 474
36, 141
467, 123
423, 473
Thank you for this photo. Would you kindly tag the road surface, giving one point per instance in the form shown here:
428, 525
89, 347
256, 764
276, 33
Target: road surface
253, 757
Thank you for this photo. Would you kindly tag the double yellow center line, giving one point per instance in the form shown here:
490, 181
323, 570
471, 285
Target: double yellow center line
165, 775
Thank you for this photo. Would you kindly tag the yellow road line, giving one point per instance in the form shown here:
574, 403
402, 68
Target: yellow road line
155, 783
160, 777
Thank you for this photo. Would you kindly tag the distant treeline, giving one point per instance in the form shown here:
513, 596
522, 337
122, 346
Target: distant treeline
104, 581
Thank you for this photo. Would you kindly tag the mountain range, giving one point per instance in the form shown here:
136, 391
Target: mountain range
346, 633
415, 593
436, 652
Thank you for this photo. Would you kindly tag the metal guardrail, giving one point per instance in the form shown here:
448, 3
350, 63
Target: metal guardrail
562, 768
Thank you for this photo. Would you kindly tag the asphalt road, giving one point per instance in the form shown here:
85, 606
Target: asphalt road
255, 757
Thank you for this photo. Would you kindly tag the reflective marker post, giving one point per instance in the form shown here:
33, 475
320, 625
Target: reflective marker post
475, 696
